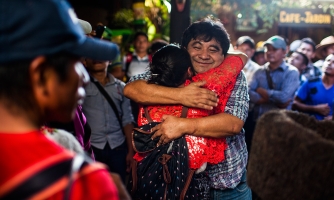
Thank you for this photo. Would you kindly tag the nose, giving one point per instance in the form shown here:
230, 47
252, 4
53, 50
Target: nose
82, 72
204, 54
83, 80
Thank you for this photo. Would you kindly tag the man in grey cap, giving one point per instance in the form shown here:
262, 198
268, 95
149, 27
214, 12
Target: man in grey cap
273, 86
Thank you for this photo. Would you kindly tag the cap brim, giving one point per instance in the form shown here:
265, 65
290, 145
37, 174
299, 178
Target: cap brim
265, 43
272, 44
96, 49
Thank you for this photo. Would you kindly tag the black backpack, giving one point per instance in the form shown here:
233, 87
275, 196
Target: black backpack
164, 174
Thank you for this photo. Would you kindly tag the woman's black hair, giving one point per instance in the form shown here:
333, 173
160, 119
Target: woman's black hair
206, 30
169, 66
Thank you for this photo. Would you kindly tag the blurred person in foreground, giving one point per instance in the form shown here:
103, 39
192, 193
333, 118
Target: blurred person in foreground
316, 96
41, 80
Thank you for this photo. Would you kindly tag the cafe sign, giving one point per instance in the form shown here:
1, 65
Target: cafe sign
304, 18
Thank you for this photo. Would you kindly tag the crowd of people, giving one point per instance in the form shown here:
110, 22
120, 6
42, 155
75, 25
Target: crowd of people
69, 106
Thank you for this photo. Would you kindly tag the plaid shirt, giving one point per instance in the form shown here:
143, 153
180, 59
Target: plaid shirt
228, 173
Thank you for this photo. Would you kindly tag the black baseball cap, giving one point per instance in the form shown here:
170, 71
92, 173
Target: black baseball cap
30, 28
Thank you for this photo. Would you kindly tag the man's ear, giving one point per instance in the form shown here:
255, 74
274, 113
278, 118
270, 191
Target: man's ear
37, 79
190, 72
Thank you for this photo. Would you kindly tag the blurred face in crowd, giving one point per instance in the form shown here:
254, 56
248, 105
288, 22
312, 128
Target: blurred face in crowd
141, 44
205, 55
297, 60
330, 49
246, 49
272, 55
96, 66
307, 49
328, 65
260, 59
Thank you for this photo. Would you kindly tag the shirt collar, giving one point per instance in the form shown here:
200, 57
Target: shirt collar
111, 79
143, 58
283, 66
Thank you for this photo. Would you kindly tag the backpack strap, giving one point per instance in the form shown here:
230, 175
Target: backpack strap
186, 186
110, 101
134, 176
41, 180
269, 79
128, 60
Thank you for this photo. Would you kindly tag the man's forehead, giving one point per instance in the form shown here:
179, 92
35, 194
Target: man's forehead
212, 42
305, 45
270, 47
297, 55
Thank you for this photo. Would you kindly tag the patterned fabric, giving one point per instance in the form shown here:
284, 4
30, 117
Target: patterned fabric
228, 173
154, 171
312, 72
221, 80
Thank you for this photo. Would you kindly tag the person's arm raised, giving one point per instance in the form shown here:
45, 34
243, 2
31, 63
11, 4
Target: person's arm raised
191, 96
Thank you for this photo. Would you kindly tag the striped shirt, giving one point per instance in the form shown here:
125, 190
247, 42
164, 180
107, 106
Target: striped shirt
228, 173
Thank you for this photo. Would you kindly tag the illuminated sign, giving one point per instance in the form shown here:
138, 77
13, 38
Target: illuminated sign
304, 18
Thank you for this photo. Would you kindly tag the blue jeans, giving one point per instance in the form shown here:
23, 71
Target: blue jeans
115, 158
240, 192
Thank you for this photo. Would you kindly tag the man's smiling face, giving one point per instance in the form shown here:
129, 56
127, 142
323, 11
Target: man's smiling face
205, 55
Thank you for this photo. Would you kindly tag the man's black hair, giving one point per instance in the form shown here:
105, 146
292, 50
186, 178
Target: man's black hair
15, 81
310, 42
169, 66
140, 33
305, 59
206, 30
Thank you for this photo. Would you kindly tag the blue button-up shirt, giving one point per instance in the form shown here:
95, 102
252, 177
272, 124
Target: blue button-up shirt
285, 81
101, 117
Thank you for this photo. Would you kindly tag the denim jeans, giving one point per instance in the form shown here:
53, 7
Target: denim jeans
240, 192
115, 158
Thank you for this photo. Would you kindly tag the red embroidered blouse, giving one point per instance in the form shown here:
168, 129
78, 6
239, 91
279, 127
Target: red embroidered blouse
201, 149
